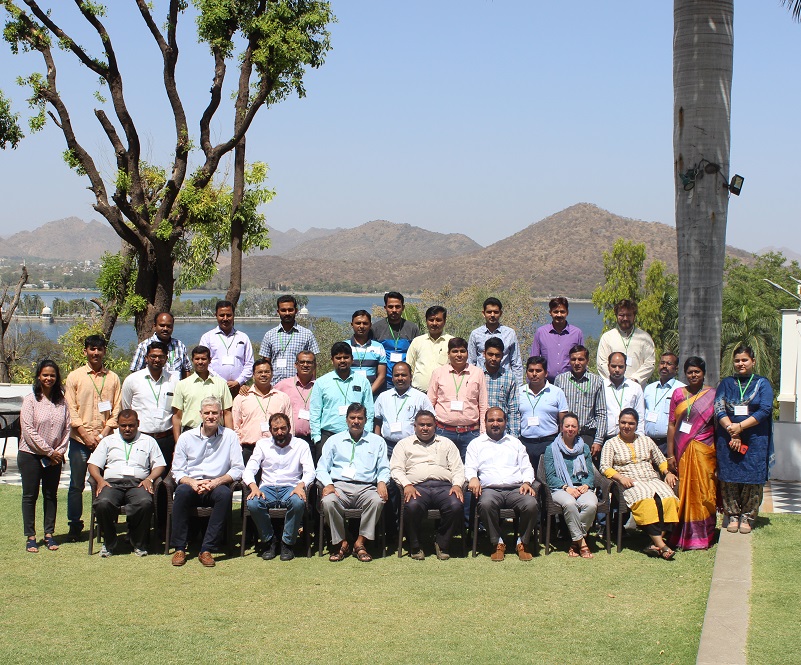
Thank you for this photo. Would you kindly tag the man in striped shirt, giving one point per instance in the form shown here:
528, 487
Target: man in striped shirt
283, 343
369, 356
502, 390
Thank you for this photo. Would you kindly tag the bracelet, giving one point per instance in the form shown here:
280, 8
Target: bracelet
671, 457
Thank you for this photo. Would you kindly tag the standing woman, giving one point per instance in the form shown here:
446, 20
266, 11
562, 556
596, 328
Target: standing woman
45, 424
744, 410
691, 448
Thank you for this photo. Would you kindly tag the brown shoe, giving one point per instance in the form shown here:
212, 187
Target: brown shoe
179, 558
522, 554
206, 559
442, 556
499, 552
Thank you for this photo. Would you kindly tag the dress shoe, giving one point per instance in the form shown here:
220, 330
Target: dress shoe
206, 559
499, 552
522, 553
286, 552
271, 550
417, 555
179, 558
75, 532
442, 556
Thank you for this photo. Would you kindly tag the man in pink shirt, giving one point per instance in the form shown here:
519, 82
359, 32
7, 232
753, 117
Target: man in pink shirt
298, 388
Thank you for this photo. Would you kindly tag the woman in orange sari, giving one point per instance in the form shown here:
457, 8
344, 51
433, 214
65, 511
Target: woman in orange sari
691, 453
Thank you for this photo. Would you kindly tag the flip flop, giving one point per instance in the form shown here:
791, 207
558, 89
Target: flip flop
31, 546
362, 554
666, 553
652, 550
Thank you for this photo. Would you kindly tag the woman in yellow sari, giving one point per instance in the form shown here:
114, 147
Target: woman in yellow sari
691, 451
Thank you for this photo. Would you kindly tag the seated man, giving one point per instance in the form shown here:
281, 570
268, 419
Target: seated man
124, 465
354, 472
287, 471
501, 476
207, 459
430, 470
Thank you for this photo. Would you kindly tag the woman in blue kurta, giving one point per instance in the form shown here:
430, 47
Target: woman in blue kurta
744, 411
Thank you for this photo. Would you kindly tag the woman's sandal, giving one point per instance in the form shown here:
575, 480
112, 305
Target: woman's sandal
31, 546
585, 553
50, 543
344, 551
573, 551
666, 553
362, 554
652, 550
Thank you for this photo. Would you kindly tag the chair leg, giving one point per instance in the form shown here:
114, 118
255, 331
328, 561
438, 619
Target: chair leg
91, 530
400, 531
167, 533
383, 535
244, 532
475, 533
619, 531
548, 535
320, 533
608, 537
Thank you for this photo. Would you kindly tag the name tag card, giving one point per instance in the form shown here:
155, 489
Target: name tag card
280, 363
265, 428
362, 372
128, 470
741, 410
533, 421
395, 357
395, 427
629, 361
457, 405
349, 472
104, 406
651, 416
227, 360
166, 401
304, 414
685, 427
343, 410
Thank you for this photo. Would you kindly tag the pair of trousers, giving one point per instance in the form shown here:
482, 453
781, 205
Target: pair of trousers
461, 440
138, 504
526, 509
277, 497
741, 499
350, 495
579, 514
78, 454
33, 476
536, 448
434, 495
219, 500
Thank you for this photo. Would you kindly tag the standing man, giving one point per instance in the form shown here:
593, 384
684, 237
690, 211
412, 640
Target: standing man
283, 343
369, 356
125, 465
394, 332
554, 340
207, 460
149, 392
177, 357
493, 310
429, 351
430, 470
354, 472
502, 390
585, 397
231, 352
191, 391
542, 407
332, 395
621, 393
657, 399
251, 412
633, 342
299, 388
94, 397
501, 476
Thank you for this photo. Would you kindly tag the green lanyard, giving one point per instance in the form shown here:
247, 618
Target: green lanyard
400, 408
744, 390
626, 342
459, 387
614, 394
102, 384
578, 385
352, 450
539, 397
339, 383
160, 383
227, 346
667, 390
127, 448
395, 338
690, 404
305, 399
288, 336
261, 406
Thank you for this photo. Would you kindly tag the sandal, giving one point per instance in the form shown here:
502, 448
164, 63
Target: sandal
734, 524
31, 546
666, 553
362, 554
652, 550
572, 551
344, 551
585, 553
51, 543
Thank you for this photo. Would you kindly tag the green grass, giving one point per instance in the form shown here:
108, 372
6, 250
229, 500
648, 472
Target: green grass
67, 607
775, 590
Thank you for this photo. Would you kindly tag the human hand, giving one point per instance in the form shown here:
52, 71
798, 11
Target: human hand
573, 491
526, 488
474, 486
381, 488
457, 490
100, 485
595, 449
409, 493
329, 489
300, 490
625, 481
147, 484
670, 479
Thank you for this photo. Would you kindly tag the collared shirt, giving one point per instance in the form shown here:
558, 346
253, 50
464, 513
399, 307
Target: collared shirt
177, 357
657, 406
586, 398
367, 357
395, 342
397, 412
414, 461
331, 397
503, 462
192, 390
231, 355
511, 349
280, 467
152, 400
628, 395
362, 461
119, 459
299, 396
207, 457
282, 348
450, 390
502, 391
425, 354
539, 412
85, 391
251, 413
639, 350
45, 426
555, 346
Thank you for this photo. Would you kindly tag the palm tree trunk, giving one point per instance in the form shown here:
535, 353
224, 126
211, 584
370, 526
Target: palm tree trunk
703, 46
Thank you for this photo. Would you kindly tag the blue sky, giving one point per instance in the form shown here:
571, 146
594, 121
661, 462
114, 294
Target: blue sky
459, 116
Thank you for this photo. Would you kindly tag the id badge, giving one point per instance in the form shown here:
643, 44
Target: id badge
280, 363
396, 357
265, 428
227, 360
343, 410
360, 372
457, 405
128, 470
651, 416
167, 402
349, 472
395, 427
629, 361
303, 414
685, 427
533, 421
104, 406
741, 410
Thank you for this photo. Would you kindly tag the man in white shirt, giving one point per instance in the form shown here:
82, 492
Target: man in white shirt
124, 465
501, 476
231, 351
621, 393
287, 470
207, 460
657, 399
634, 342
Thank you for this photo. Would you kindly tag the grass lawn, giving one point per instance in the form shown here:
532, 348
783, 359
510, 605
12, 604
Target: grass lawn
775, 590
68, 607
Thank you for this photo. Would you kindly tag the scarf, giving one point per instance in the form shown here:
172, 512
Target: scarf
560, 451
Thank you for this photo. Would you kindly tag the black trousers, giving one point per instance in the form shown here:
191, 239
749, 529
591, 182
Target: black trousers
526, 508
434, 495
138, 504
536, 448
33, 476
219, 500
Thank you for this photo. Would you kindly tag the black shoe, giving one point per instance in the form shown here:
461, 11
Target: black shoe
286, 552
75, 532
270, 550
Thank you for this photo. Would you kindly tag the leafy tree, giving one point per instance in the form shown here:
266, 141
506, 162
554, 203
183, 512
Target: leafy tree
10, 131
622, 278
72, 349
8, 303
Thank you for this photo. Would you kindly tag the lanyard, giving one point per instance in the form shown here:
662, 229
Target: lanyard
127, 447
459, 387
626, 342
539, 397
689, 403
339, 383
288, 336
395, 338
744, 390
352, 450
261, 406
305, 399
400, 408
578, 385
614, 394
103, 383
150, 385
227, 346
667, 390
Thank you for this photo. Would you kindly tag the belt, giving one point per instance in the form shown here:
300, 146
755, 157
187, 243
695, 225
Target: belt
159, 435
659, 439
539, 439
459, 429
588, 430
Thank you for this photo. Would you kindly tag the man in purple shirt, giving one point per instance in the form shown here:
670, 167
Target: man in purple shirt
554, 340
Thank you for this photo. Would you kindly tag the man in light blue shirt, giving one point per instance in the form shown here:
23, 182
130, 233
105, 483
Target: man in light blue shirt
396, 409
231, 351
354, 472
542, 406
657, 399
493, 310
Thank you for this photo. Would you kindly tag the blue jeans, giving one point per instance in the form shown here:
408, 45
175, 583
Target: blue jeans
277, 497
78, 454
